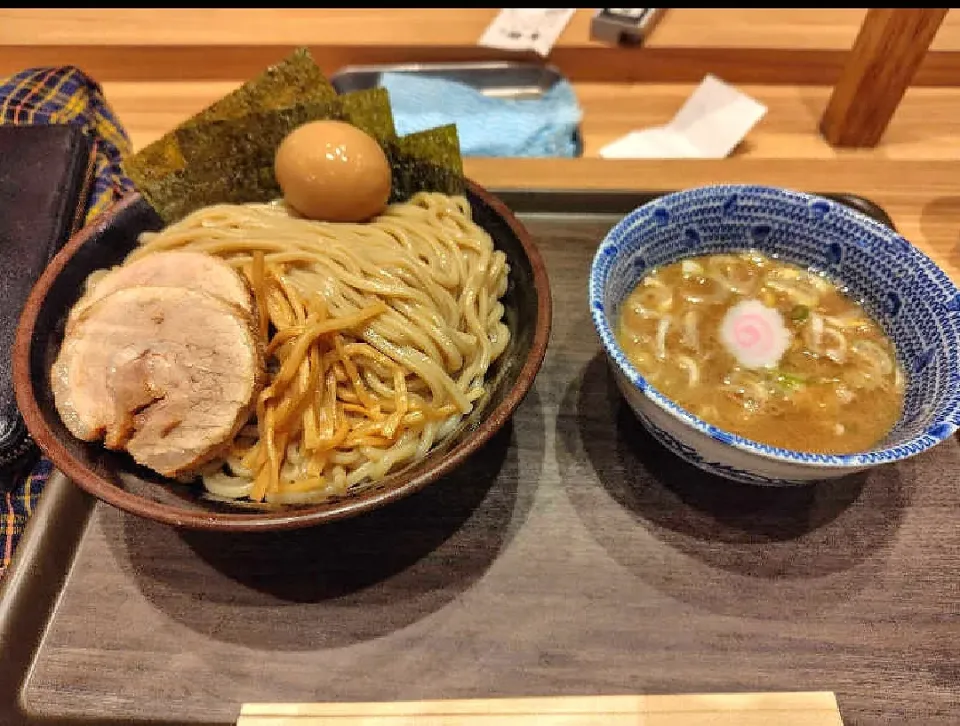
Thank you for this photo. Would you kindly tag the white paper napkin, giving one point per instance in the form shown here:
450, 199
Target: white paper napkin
711, 123
534, 29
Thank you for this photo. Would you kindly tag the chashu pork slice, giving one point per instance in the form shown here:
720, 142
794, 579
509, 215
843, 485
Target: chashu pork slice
175, 268
169, 373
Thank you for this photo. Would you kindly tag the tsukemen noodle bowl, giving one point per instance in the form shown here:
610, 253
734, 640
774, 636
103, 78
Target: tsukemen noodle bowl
776, 337
300, 317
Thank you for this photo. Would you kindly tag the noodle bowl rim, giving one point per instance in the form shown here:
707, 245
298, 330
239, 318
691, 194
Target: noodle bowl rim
393, 487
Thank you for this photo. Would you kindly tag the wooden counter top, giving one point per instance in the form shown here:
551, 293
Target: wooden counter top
741, 45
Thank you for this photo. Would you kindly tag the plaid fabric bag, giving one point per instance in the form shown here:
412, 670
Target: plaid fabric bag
59, 95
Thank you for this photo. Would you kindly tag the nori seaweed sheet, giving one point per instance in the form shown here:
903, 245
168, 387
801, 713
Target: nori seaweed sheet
212, 182
154, 162
369, 110
426, 161
291, 81
251, 140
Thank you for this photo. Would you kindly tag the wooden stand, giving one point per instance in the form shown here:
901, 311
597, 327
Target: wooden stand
885, 56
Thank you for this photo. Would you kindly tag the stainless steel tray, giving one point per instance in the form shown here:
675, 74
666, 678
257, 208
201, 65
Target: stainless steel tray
496, 79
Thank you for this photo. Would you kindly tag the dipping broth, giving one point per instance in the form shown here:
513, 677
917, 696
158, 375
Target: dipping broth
764, 349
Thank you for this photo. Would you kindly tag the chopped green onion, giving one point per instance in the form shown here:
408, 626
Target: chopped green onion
799, 313
789, 381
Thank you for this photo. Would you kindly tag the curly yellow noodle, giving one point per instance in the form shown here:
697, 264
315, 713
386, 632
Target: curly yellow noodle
380, 337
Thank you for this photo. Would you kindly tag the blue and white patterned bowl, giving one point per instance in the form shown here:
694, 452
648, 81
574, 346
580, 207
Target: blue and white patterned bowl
917, 304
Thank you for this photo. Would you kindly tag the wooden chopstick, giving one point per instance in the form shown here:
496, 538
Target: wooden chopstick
732, 709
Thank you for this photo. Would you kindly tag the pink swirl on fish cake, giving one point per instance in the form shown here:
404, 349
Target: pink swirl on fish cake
755, 334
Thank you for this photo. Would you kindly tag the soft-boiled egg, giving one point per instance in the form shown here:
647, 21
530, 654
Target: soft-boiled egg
333, 172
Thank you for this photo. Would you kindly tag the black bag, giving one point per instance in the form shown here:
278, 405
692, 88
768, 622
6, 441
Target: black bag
46, 178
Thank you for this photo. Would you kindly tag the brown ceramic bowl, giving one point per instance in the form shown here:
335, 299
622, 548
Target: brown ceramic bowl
116, 479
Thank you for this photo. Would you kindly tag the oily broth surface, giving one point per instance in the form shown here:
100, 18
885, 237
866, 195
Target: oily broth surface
837, 389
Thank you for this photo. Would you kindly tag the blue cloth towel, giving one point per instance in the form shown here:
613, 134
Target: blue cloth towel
544, 126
